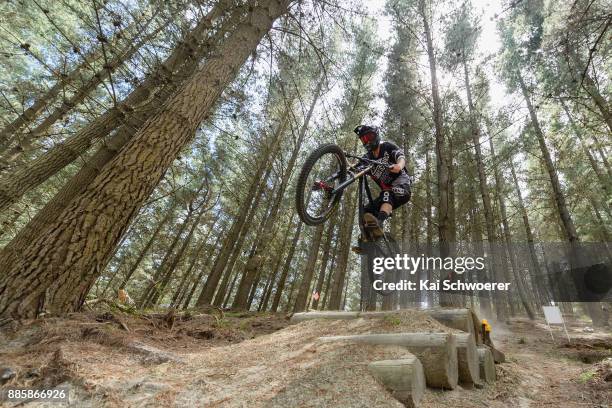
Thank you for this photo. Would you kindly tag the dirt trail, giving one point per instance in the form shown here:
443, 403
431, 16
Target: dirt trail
215, 363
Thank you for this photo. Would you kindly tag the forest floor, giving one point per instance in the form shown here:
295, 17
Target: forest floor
249, 359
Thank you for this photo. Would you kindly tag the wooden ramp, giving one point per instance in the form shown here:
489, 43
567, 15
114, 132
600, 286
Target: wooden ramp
463, 356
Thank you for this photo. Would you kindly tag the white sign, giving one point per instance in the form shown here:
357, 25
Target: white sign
553, 315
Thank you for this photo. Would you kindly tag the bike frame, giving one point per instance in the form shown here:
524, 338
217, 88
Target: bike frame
354, 176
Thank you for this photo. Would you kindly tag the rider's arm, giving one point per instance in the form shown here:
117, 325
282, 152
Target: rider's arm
399, 158
397, 167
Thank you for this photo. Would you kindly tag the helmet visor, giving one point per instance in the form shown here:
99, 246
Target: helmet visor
367, 138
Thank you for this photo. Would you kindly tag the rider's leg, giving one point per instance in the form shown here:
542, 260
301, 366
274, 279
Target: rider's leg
385, 212
374, 220
387, 198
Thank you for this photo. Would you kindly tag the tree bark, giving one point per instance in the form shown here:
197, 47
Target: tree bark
180, 64
54, 268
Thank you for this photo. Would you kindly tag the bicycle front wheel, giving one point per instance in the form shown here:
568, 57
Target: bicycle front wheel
322, 172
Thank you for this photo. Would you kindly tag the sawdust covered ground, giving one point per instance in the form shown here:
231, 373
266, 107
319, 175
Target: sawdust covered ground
258, 360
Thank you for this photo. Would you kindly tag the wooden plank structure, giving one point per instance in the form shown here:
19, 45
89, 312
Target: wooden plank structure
463, 355
436, 351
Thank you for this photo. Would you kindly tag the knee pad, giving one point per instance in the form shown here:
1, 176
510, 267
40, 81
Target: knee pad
387, 196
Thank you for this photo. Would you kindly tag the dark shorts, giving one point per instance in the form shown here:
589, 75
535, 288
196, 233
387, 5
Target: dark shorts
397, 196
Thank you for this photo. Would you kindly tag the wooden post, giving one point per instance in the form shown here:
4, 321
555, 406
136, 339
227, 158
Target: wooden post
404, 378
487, 364
467, 358
436, 351
460, 319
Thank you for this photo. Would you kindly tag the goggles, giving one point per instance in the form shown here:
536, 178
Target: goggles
367, 138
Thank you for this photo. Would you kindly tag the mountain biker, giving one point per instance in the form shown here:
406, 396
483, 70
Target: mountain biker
391, 176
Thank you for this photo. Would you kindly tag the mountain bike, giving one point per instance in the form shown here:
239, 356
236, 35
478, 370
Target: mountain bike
324, 177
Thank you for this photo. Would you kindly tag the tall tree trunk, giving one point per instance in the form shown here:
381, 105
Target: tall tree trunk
486, 199
324, 261
477, 245
599, 100
304, 288
210, 287
276, 269
441, 159
327, 290
280, 286
213, 249
145, 250
249, 273
414, 247
287, 305
430, 227
255, 262
507, 235
602, 155
603, 230
566, 219
242, 293
179, 294
54, 268
168, 256
605, 184
159, 290
208, 291
344, 236
569, 230
267, 286
535, 272
143, 103
119, 267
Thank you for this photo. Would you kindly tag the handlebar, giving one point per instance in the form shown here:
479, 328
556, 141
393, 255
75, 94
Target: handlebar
369, 161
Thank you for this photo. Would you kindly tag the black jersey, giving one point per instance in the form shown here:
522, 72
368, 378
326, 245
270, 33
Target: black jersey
389, 154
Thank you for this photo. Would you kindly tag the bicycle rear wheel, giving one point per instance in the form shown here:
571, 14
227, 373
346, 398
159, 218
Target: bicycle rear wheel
322, 172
